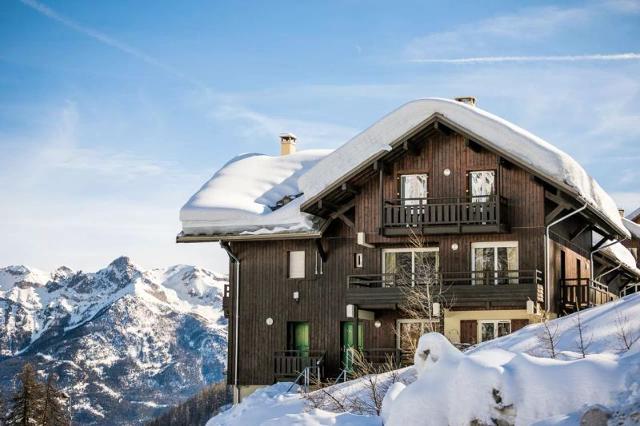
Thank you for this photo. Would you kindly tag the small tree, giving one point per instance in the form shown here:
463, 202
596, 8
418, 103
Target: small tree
54, 411
26, 404
624, 332
583, 342
549, 335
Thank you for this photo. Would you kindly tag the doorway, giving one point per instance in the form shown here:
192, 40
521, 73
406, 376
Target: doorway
298, 337
347, 342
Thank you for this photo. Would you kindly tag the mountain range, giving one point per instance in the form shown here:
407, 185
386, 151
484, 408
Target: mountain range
125, 342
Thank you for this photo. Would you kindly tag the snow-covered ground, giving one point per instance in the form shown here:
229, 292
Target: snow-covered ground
511, 380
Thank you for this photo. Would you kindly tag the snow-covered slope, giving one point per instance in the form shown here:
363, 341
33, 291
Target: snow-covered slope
511, 380
124, 341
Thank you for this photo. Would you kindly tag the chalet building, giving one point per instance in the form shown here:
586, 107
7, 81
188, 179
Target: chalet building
321, 242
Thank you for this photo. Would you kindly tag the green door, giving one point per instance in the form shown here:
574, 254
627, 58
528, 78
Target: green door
347, 342
299, 337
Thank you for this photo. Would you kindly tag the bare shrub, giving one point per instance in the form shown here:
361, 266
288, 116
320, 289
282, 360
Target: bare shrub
583, 342
549, 336
624, 332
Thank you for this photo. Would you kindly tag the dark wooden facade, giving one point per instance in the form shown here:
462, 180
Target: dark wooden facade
266, 292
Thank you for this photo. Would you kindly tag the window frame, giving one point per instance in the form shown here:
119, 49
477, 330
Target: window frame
422, 321
495, 181
494, 245
402, 173
413, 258
495, 328
289, 264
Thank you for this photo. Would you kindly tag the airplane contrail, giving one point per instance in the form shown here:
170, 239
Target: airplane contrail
558, 58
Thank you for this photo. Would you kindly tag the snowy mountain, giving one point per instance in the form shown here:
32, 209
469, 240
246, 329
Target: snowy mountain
512, 380
125, 342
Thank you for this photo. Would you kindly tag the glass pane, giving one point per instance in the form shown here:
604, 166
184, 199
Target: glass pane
410, 332
426, 267
399, 263
504, 328
413, 186
487, 331
482, 184
507, 261
484, 261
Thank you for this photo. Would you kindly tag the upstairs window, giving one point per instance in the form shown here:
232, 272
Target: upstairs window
482, 185
296, 264
413, 189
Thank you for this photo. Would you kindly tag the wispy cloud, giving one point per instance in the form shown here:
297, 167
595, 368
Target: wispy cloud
533, 58
110, 41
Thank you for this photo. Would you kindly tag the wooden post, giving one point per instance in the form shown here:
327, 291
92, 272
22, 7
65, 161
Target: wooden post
381, 196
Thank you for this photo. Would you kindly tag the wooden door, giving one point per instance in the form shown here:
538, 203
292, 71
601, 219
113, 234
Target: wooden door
469, 332
347, 342
298, 337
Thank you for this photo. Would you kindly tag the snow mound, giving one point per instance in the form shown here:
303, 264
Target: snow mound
458, 389
247, 195
500, 134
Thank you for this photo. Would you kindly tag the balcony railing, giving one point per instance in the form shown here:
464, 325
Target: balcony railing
584, 292
630, 289
290, 363
443, 215
519, 276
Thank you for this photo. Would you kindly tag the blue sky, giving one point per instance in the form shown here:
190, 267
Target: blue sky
113, 113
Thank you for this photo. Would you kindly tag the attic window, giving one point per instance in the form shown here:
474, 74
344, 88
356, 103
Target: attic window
285, 200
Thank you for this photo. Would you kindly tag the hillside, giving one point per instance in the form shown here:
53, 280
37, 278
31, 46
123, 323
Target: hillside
125, 342
508, 381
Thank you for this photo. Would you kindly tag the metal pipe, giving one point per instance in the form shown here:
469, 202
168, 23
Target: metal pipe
614, 242
236, 391
547, 283
608, 272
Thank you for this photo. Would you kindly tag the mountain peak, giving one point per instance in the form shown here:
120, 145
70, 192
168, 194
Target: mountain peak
122, 262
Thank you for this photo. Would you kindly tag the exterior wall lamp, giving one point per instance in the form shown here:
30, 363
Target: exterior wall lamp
296, 296
269, 321
455, 246
377, 324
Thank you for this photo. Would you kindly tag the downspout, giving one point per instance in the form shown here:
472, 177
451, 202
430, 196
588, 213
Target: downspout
600, 249
609, 271
547, 272
236, 293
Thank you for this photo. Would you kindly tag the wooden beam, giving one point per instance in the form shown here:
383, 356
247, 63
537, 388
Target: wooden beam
473, 146
600, 243
442, 128
411, 147
506, 164
579, 230
347, 221
323, 254
346, 187
560, 200
322, 204
553, 214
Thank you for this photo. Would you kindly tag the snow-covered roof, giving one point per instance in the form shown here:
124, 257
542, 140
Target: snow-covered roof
633, 228
246, 197
623, 256
495, 132
634, 214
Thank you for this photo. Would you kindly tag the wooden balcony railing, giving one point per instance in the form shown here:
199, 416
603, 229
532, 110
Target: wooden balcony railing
584, 292
444, 215
519, 276
290, 363
630, 289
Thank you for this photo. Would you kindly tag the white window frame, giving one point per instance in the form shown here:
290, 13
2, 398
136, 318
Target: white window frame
494, 245
400, 321
413, 258
358, 260
401, 191
290, 255
318, 267
495, 328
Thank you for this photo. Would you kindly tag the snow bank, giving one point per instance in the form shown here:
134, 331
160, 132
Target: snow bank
495, 131
241, 196
272, 405
456, 389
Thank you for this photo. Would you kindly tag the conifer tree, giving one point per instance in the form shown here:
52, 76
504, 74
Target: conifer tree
26, 404
54, 411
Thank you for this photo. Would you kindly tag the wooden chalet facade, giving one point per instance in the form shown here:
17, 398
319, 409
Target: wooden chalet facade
482, 215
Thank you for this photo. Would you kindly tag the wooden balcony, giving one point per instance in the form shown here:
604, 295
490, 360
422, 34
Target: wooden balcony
495, 289
404, 216
226, 301
582, 293
289, 364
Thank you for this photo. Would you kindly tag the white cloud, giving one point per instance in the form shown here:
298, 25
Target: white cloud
487, 36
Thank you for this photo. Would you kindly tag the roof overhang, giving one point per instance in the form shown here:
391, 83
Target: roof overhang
181, 238
432, 120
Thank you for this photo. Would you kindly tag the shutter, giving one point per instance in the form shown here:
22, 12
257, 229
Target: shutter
517, 324
468, 332
296, 264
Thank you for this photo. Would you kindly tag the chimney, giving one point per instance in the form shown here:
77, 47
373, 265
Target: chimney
621, 211
287, 143
469, 100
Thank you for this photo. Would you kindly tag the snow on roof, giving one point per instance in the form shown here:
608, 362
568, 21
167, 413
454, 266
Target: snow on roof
633, 228
496, 132
246, 197
634, 214
623, 255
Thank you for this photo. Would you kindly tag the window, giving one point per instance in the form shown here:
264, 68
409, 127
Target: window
492, 329
357, 260
296, 264
411, 266
482, 185
495, 262
413, 189
318, 268
409, 331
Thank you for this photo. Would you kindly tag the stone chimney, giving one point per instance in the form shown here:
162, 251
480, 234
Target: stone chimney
621, 211
469, 100
287, 143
